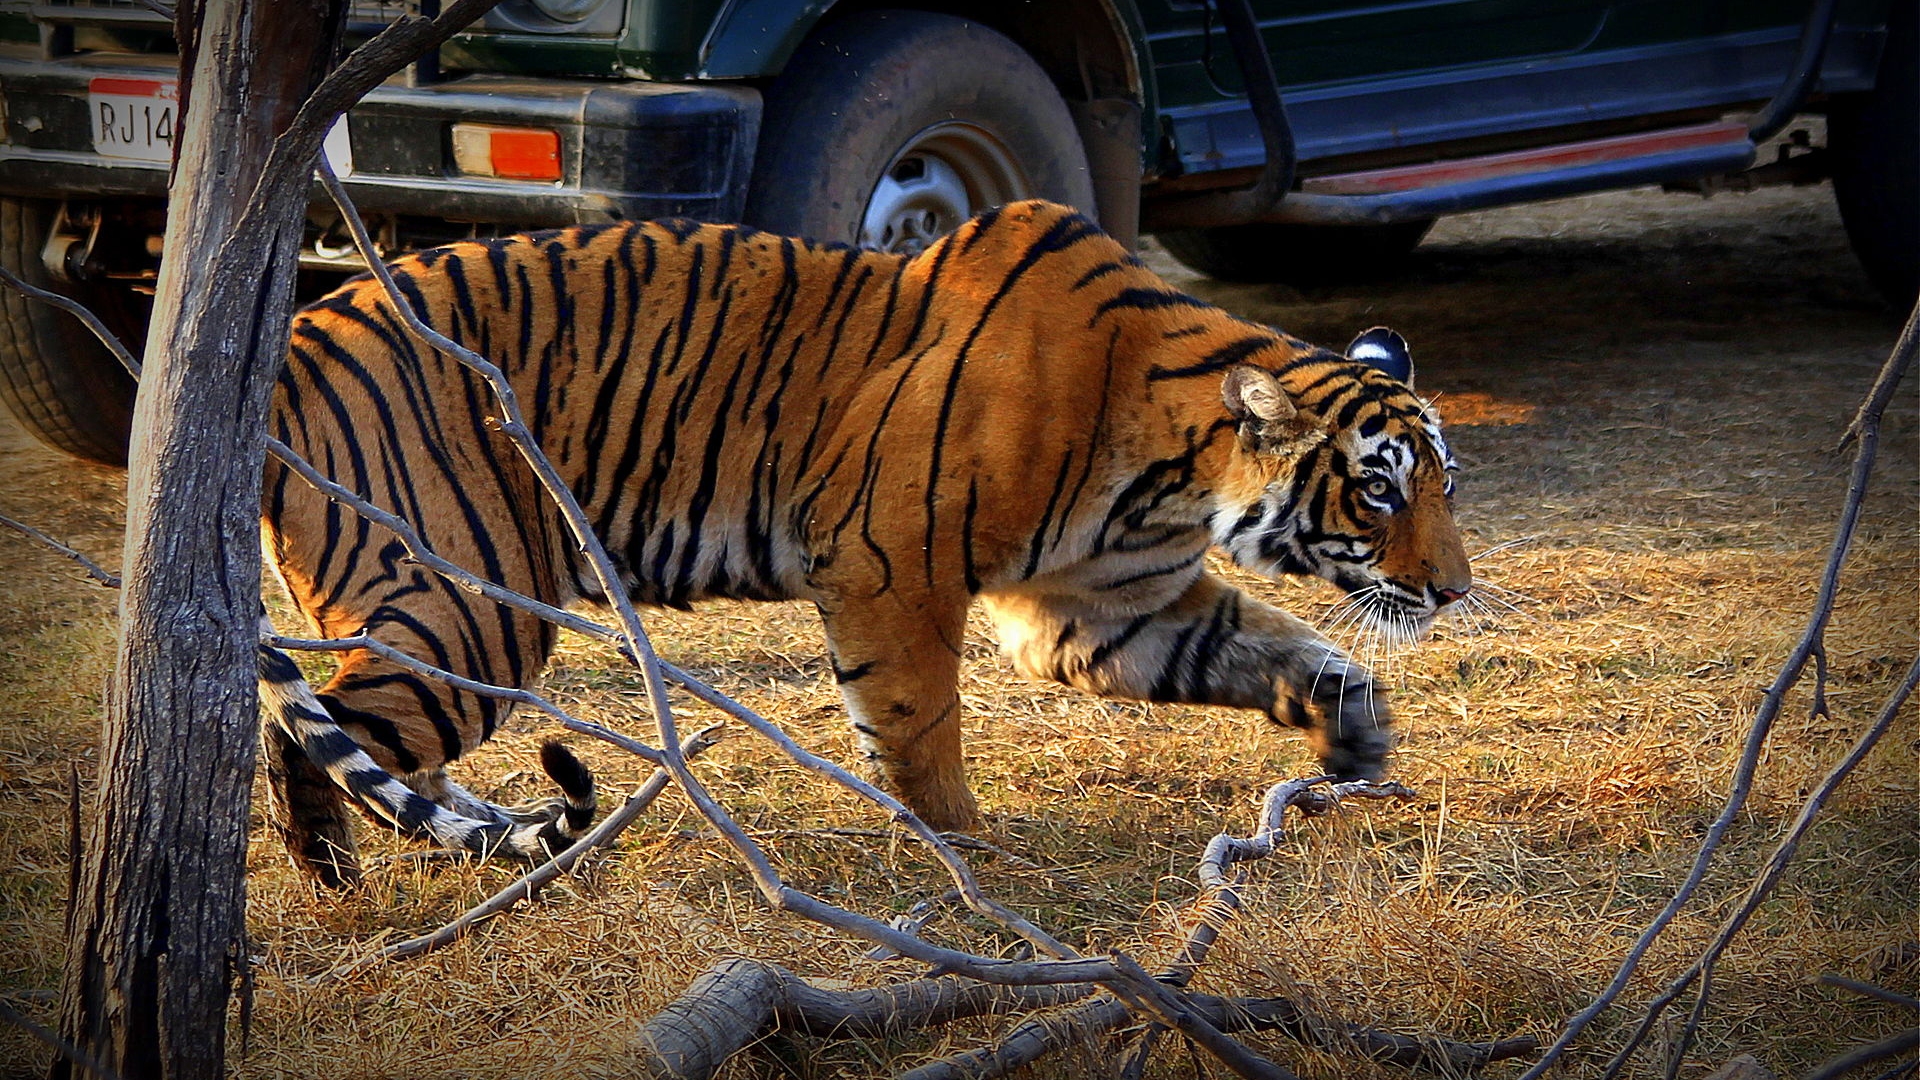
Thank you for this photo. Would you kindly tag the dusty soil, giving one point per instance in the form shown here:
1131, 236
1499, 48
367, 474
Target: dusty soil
1646, 392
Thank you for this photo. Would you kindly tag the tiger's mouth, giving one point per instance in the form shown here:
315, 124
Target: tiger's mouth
1405, 625
1379, 616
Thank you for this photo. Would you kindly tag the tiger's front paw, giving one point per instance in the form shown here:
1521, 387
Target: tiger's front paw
1357, 749
1346, 716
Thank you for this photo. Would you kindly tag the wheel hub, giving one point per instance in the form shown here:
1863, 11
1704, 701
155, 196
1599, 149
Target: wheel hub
944, 175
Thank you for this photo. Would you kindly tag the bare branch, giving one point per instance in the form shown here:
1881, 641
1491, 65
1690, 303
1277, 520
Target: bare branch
111, 581
737, 1000
1888, 380
1173, 1010
394, 47
603, 834
1303, 795
1865, 435
363, 641
60, 1046
1893, 1046
79, 311
1076, 1024
1879, 993
1769, 875
1218, 905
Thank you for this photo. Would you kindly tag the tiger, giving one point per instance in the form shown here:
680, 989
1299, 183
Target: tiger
1023, 414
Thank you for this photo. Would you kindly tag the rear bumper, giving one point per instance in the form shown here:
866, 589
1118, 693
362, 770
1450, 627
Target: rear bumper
627, 149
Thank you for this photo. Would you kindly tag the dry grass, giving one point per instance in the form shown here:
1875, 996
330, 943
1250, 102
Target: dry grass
1647, 387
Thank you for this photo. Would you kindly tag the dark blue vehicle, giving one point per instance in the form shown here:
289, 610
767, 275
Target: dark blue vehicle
1258, 139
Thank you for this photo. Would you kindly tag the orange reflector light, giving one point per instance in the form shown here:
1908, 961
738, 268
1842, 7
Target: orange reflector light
511, 153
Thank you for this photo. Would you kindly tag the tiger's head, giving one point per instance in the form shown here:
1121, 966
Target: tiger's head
1343, 474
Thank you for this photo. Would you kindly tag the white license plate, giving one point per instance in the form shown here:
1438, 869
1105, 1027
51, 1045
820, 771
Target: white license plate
135, 118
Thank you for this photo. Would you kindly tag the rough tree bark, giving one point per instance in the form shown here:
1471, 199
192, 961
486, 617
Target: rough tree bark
158, 910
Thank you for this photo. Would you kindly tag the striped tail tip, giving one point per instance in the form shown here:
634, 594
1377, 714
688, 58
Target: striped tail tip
576, 782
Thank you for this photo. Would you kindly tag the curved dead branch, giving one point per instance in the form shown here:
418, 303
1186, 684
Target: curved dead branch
106, 580
1904, 1042
739, 1001
1863, 435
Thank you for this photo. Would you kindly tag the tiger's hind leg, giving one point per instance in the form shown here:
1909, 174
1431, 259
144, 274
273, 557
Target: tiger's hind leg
1212, 645
309, 812
896, 658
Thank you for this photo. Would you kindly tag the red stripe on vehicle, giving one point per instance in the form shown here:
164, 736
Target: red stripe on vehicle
1566, 155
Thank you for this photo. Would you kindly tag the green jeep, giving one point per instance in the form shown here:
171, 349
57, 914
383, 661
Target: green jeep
1259, 139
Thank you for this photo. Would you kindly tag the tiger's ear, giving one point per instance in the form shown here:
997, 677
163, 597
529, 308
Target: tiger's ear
1269, 423
1385, 350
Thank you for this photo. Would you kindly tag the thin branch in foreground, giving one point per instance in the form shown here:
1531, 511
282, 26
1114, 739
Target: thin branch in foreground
739, 1000
1207, 914
1074, 1025
1878, 993
1769, 876
1904, 1042
368, 643
736, 1001
529, 883
79, 311
111, 581
60, 1046
1864, 435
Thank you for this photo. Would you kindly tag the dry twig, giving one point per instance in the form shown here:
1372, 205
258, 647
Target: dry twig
60, 1046
1878, 993
1903, 1042
111, 581
512, 694
734, 1004
1864, 436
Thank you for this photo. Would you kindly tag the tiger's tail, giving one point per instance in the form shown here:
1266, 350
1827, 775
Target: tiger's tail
536, 832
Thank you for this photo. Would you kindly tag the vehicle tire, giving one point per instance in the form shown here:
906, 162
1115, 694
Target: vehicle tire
1264, 253
1875, 142
888, 129
57, 380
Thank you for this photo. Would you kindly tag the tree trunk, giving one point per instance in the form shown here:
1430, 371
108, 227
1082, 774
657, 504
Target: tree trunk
158, 911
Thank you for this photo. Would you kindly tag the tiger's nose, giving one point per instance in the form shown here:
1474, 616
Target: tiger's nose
1448, 596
